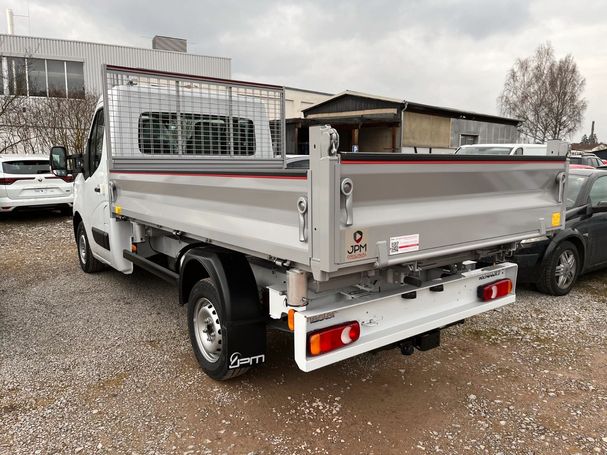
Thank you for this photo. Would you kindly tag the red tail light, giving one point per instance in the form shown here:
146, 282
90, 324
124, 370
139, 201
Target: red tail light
7, 181
495, 290
67, 178
330, 338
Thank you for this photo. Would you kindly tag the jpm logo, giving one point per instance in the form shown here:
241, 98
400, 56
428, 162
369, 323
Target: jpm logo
357, 248
236, 361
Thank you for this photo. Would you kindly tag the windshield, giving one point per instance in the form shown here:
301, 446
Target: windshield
574, 185
575, 160
483, 150
26, 167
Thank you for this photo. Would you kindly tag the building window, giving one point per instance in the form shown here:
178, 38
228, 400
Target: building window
17, 84
55, 70
75, 79
41, 77
468, 139
36, 76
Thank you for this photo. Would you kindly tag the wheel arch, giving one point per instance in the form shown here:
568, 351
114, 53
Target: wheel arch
76, 220
571, 236
230, 272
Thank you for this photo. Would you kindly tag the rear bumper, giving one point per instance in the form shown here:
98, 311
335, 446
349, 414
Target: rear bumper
8, 205
387, 318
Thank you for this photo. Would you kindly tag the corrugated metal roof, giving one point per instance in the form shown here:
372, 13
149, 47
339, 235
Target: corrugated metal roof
350, 101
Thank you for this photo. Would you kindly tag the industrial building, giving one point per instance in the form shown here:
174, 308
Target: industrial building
369, 123
66, 68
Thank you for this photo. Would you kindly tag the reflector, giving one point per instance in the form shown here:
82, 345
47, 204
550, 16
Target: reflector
331, 338
495, 290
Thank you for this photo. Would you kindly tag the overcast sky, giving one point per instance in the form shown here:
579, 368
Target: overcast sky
450, 53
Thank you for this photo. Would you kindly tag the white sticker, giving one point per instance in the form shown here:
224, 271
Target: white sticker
404, 244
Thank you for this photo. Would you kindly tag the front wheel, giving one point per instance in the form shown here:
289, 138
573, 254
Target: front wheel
87, 261
208, 332
560, 270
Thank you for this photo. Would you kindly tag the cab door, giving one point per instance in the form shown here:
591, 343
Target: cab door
596, 226
95, 199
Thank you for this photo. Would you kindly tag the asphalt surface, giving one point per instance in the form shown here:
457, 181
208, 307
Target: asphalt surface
102, 364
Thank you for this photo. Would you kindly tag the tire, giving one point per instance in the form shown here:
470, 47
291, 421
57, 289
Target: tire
87, 261
208, 333
560, 270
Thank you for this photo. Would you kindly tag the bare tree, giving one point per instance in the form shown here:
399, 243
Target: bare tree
32, 124
63, 121
12, 109
546, 94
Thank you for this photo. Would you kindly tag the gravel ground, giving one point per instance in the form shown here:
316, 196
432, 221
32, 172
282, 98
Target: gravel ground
102, 364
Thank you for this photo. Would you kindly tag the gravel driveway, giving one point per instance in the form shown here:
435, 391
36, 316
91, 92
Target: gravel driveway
102, 364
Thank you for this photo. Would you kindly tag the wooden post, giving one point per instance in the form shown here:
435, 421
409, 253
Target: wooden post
393, 139
355, 138
296, 151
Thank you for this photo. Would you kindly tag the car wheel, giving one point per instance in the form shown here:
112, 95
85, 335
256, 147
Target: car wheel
88, 263
209, 334
560, 270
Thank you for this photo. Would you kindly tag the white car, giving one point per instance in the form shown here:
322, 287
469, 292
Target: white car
27, 181
503, 149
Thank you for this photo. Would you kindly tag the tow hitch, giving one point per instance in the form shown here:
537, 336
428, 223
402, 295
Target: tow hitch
422, 342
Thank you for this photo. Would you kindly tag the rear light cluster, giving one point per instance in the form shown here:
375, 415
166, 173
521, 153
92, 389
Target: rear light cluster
331, 338
495, 290
11, 180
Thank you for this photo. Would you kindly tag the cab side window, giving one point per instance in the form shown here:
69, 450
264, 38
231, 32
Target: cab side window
518, 152
598, 193
94, 147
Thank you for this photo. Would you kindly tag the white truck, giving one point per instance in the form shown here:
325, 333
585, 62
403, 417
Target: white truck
186, 177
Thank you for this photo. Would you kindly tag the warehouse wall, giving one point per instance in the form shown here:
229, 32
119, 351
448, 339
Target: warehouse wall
297, 100
375, 139
422, 130
488, 133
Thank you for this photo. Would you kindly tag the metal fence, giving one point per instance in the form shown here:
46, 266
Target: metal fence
164, 116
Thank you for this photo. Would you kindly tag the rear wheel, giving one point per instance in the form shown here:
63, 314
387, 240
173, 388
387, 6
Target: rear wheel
208, 333
561, 269
88, 263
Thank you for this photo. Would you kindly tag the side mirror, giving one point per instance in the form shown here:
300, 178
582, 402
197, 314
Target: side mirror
59, 157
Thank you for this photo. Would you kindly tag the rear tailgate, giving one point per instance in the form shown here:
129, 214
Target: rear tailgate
422, 206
